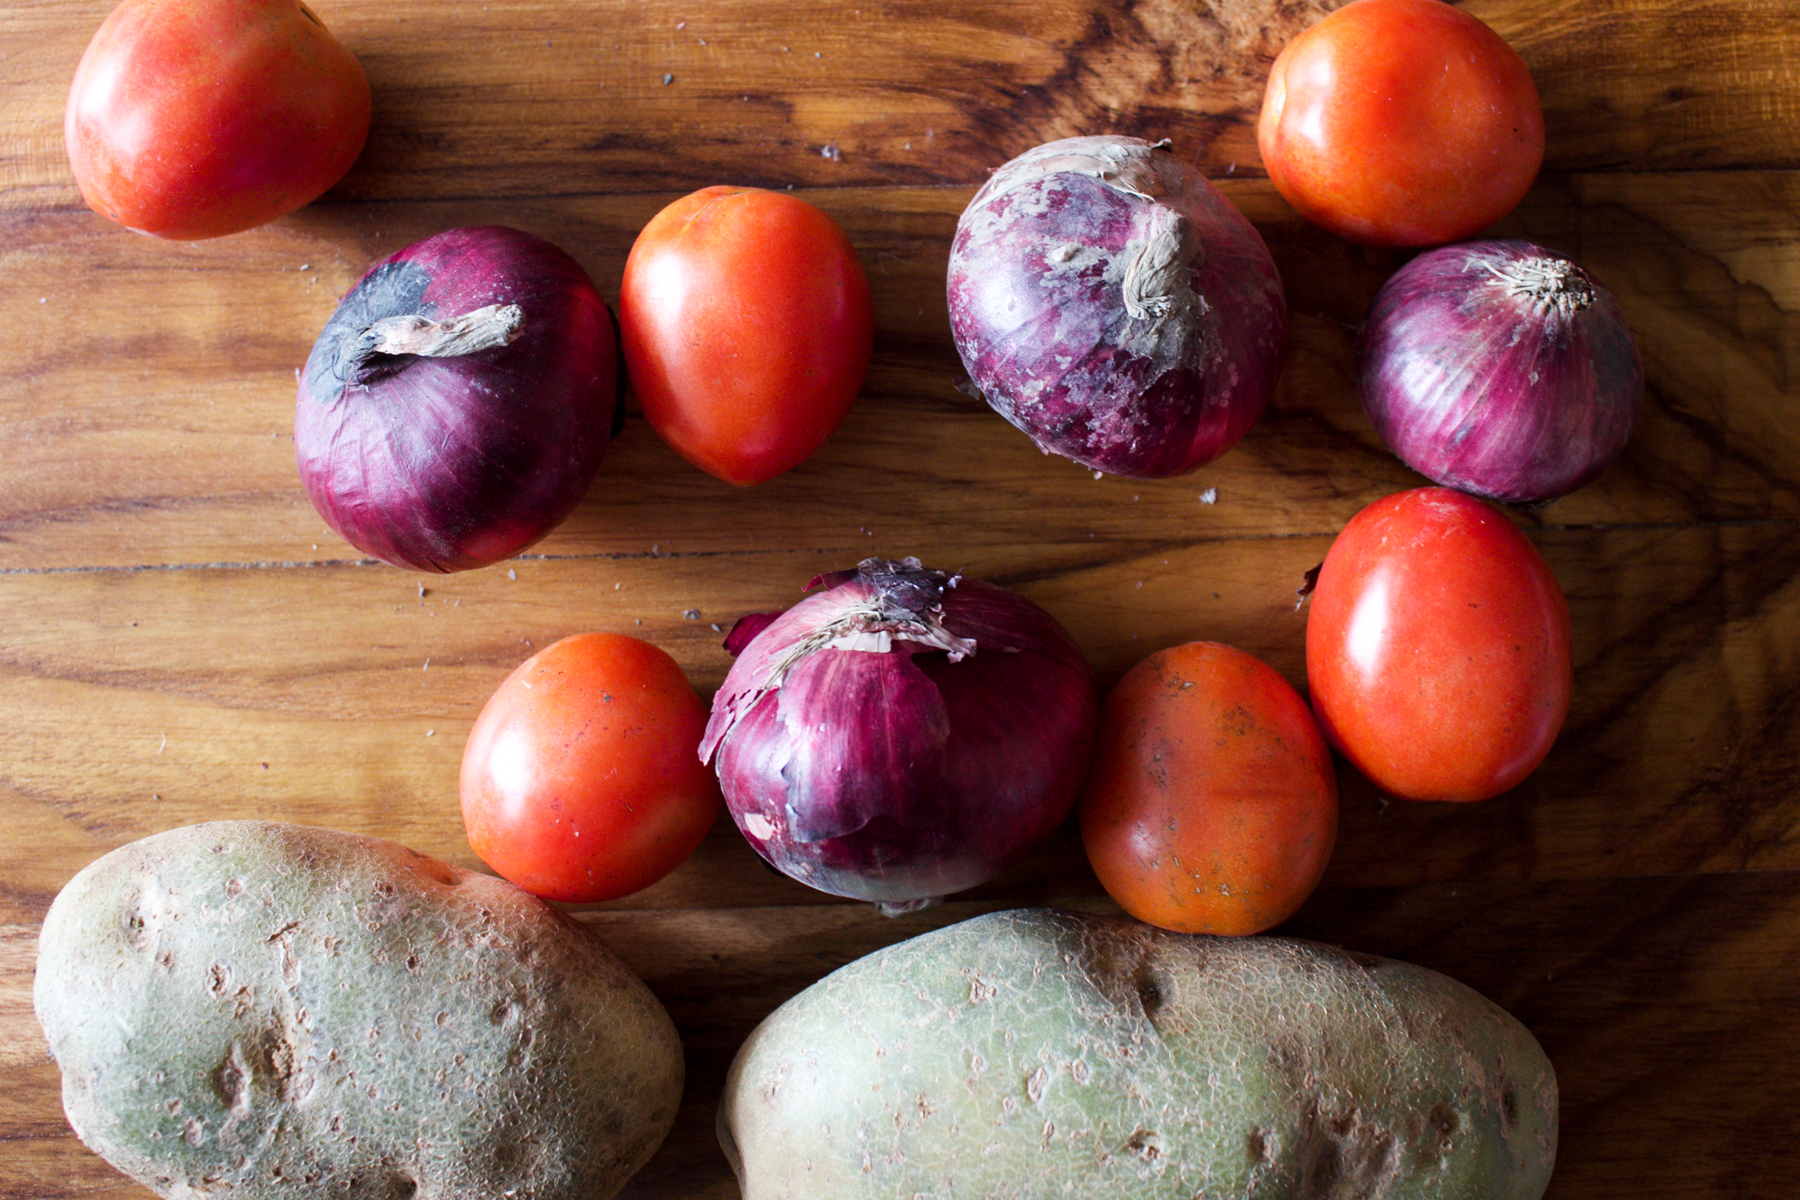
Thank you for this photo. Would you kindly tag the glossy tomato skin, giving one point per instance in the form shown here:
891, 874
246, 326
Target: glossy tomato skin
581, 779
1401, 123
198, 118
1437, 648
747, 326
1213, 805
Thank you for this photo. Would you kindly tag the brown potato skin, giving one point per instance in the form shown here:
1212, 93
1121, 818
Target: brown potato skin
1038, 1054
261, 1010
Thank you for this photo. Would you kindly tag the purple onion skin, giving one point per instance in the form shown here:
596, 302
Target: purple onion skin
1144, 371
446, 464
1501, 369
899, 777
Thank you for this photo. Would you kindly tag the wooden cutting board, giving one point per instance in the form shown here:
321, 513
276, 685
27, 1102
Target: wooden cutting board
181, 637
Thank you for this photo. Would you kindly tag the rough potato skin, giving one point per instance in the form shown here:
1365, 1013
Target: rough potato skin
1034, 1054
252, 1009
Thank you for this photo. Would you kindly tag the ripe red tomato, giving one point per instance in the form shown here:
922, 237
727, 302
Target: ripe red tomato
1213, 805
1437, 648
582, 779
1401, 123
198, 118
747, 326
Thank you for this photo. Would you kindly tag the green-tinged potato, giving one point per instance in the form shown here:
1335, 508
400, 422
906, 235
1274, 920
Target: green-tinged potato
252, 1009
1036, 1053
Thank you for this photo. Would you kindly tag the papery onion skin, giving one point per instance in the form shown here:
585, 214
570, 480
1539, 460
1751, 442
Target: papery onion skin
1501, 369
446, 464
1111, 303
901, 776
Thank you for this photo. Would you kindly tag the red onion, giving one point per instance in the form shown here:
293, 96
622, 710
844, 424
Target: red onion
1499, 368
902, 735
458, 403
1114, 305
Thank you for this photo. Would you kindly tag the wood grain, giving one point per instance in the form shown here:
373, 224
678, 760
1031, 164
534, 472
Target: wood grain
519, 98
342, 695
181, 638
181, 451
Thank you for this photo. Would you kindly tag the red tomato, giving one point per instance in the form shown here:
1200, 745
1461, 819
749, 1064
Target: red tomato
582, 779
1401, 123
747, 326
1437, 648
1213, 803
197, 118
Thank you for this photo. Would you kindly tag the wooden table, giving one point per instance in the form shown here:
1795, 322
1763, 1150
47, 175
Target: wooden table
181, 638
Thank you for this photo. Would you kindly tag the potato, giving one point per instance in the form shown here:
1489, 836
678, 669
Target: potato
1036, 1053
263, 1010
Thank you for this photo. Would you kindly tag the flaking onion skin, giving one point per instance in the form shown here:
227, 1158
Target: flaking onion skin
454, 462
903, 734
1501, 369
1110, 302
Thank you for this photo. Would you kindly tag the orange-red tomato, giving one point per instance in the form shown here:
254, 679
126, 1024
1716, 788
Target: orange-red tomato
1401, 123
1213, 805
581, 779
1437, 647
747, 326
198, 118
